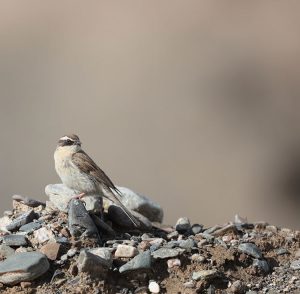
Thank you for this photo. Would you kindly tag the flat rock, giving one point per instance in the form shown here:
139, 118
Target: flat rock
30, 227
141, 204
187, 244
96, 265
15, 240
79, 220
60, 196
51, 250
126, 251
6, 251
204, 275
250, 249
139, 262
165, 253
23, 267
23, 219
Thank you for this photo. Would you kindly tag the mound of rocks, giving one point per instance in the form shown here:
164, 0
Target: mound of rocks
68, 246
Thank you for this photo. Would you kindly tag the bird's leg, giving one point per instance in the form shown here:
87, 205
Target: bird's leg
79, 196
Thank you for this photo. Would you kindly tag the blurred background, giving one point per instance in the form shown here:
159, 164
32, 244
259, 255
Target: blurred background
195, 104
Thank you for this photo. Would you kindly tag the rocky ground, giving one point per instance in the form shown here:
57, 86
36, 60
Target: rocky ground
64, 246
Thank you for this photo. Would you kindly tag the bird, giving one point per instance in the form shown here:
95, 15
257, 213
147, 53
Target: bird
79, 172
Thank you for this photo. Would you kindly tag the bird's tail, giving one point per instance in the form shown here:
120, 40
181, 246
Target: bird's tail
114, 198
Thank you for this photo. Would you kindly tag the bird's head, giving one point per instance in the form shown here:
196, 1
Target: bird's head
71, 142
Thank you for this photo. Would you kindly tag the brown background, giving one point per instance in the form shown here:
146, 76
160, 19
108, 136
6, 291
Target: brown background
193, 103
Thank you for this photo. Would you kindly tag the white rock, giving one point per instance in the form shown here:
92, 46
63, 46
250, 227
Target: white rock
126, 251
153, 287
43, 234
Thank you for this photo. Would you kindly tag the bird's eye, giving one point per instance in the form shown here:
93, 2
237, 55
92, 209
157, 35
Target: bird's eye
69, 142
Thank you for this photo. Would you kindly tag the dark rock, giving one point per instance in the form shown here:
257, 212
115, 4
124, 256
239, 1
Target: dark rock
262, 265
79, 220
20, 267
23, 219
183, 225
250, 249
117, 215
15, 240
28, 201
139, 262
30, 227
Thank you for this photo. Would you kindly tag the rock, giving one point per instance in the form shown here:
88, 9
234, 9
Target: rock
237, 287
71, 252
172, 235
4, 221
187, 244
165, 253
104, 254
126, 251
15, 240
189, 284
198, 258
153, 287
30, 227
23, 219
139, 262
173, 263
183, 225
295, 265
281, 251
250, 249
28, 201
196, 229
262, 265
93, 264
43, 235
6, 251
51, 250
60, 195
141, 204
23, 267
119, 217
204, 275
79, 221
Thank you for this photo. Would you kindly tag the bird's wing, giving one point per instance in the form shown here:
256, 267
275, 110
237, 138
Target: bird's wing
88, 166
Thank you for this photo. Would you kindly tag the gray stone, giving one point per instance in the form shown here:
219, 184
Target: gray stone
141, 204
250, 249
23, 267
30, 227
95, 265
60, 195
204, 275
187, 244
139, 262
23, 219
104, 254
281, 251
6, 251
165, 253
15, 240
295, 265
117, 215
262, 265
183, 225
196, 229
79, 221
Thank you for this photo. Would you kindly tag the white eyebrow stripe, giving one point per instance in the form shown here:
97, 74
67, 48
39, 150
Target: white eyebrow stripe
66, 138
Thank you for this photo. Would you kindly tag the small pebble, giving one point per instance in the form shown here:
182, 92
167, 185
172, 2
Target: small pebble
153, 287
